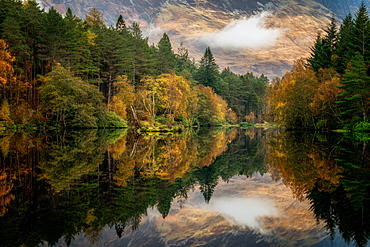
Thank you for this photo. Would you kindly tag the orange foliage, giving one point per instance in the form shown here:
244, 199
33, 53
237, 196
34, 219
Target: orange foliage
6, 69
325, 97
301, 167
289, 97
124, 98
166, 157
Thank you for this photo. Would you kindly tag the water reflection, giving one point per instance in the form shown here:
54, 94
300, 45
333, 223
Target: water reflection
333, 173
203, 188
244, 211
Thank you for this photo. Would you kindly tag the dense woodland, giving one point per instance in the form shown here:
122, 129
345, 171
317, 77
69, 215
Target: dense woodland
59, 70
331, 88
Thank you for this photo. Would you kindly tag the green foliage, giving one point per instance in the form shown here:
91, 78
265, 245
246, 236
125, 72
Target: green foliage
165, 56
74, 103
115, 121
207, 73
362, 127
354, 101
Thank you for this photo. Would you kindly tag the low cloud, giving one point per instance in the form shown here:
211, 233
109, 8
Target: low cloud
154, 33
244, 33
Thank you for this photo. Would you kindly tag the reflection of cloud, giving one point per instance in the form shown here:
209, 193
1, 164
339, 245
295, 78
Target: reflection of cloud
244, 33
244, 211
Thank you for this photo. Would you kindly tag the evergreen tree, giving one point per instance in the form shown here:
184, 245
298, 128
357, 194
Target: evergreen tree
207, 73
53, 38
184, 65
343, 53
361, 33
78, 46
324, 48
140, 59
16, 40
165, 55
120, 25
354, 102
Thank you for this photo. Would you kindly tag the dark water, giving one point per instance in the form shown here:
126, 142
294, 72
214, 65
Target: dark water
207, 187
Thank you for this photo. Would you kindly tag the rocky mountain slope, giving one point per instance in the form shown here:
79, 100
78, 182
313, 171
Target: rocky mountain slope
263, 36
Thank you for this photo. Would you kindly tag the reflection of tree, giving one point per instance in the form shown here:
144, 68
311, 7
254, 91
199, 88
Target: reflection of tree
17, 157
347, 207
302, 160
77, 190
65, 161
333, 173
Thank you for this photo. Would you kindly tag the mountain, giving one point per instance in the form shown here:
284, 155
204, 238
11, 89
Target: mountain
263, 36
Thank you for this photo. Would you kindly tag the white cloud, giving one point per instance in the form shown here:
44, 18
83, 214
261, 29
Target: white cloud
244, 33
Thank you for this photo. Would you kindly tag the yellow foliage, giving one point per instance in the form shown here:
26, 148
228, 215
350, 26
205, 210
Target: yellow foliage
91, 37
5, 111
6, 69
289, 97
124, 97
5, 144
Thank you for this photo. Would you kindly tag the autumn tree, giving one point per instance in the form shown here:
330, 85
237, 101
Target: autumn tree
124, 98
6, 69
289, 97
212, 109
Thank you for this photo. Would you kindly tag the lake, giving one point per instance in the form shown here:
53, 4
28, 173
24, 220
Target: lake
203, 187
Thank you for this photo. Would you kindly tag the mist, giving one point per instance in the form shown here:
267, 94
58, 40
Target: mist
244, 33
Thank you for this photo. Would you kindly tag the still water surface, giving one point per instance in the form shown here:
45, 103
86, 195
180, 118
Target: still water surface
208, 187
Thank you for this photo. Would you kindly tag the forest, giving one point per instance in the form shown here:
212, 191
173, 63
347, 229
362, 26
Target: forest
60, 71
331, 88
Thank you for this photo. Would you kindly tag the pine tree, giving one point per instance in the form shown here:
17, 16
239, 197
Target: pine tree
165, 55
79, 58
361, 33
53, 38
120, 25
324, 48
343, 53
207, 73
354, 102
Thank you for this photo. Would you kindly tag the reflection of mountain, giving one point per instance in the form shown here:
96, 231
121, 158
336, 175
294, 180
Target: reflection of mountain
151, 193
196, 223
76, 190
187, 21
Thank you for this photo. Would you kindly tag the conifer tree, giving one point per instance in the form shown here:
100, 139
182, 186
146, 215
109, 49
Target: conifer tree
207, 73
343, 53
120, 25
361, 33
354, 101
54, 38
79, 57
165, 55
324, 48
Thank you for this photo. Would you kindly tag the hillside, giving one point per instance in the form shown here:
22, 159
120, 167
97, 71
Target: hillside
246, 35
